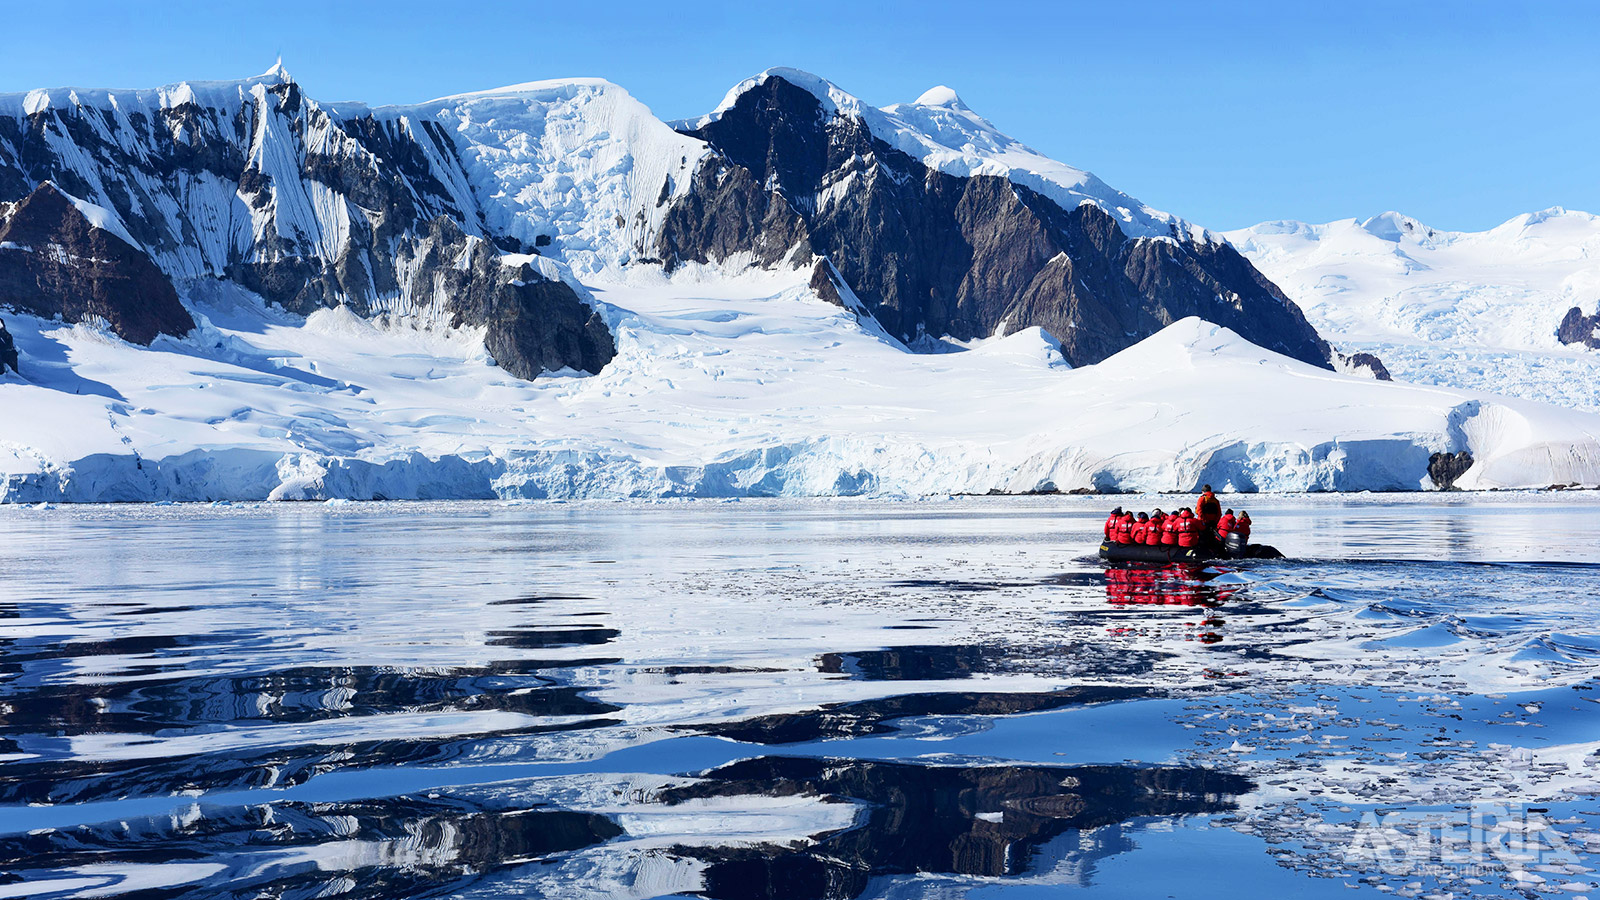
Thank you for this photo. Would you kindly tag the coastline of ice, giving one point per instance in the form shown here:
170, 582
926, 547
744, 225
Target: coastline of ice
724, 386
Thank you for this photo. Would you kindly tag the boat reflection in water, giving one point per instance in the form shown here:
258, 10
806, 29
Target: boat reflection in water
1174, 585
1171, 585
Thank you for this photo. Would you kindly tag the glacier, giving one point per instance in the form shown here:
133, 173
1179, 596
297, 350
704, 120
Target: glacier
726, 384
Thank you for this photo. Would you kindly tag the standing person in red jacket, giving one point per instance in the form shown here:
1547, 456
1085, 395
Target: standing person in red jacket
1111, 521
1243, 526
1208, 508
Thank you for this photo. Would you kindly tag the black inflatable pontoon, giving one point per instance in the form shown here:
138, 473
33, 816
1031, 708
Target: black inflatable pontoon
1166, 553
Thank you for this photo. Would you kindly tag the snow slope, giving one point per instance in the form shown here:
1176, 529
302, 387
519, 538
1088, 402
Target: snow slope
1476, 310
945, 134
577, 161
724, 385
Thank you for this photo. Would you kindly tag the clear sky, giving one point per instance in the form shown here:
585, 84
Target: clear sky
1460, 114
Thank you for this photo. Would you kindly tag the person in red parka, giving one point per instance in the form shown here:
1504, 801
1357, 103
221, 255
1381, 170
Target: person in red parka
1189, 529
1140, 527
1225, 525
1208, 508
1111, 521
1152, 534
1242, 526
1124, 530
1169, 530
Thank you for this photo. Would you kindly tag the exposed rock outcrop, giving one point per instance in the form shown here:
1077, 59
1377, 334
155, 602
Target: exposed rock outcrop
1577, 328
1445, 468
8, 351
56, 263
533, 323
727, 212
937, 254
1368, 363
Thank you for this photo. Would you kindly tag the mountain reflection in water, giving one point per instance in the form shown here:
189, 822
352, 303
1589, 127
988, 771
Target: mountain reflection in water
978, 820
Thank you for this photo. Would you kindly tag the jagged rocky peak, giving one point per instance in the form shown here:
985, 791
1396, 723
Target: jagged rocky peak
61, 257
387, 212
939, 237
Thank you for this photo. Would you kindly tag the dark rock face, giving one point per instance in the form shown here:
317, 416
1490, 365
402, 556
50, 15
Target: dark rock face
727, 211
309, 209
1577, 328
1368, 361
8, 351
534, 324
1445, 468
56, 263
936, 254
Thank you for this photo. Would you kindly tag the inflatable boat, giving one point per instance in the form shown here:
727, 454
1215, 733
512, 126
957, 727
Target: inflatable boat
1233, 548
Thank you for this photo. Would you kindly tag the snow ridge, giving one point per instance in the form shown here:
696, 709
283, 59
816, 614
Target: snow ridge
1471, 309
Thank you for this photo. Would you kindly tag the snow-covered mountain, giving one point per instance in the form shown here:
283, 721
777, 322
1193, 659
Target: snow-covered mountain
937, 222
332, 300
1479, 310
381, 211
944, 227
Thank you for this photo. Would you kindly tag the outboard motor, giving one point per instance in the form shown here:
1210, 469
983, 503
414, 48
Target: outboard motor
1234, 544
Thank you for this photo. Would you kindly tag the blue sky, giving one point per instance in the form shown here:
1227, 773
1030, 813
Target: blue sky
1460, 114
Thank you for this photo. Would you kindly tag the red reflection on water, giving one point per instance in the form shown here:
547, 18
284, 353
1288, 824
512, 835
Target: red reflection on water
1168, 585
1173, 584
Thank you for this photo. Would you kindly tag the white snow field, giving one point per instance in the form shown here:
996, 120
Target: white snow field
724, 385
1468, 309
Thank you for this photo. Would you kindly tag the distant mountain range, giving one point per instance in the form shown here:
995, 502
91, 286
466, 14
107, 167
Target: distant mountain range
232, 291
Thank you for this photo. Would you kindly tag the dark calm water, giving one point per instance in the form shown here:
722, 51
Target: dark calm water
795, 699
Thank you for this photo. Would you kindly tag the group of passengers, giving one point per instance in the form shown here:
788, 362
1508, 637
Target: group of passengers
1205, 524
